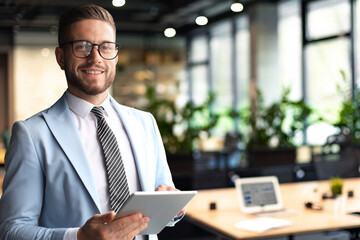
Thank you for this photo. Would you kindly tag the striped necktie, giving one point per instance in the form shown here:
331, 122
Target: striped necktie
118, 185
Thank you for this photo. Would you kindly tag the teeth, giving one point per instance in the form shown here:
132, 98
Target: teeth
93, 72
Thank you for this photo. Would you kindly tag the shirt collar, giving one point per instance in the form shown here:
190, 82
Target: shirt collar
82, 107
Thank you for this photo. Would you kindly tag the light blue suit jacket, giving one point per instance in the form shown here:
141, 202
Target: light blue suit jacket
49, 187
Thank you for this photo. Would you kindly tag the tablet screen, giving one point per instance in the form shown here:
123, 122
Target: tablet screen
258, 194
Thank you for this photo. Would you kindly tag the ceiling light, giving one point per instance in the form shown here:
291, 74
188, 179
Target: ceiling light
45, 52
237, 7
201, 20
169, 32
118, 3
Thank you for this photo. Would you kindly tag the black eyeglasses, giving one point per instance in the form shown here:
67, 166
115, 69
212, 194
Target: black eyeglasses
84, 48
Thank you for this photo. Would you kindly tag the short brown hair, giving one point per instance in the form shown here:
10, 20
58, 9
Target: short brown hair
79, 13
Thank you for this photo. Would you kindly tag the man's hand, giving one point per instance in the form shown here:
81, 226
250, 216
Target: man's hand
167, 188
104, 226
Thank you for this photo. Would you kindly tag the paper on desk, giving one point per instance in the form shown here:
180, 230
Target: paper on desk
262, 224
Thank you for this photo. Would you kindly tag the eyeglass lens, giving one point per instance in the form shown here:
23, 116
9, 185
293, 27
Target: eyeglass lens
83, 49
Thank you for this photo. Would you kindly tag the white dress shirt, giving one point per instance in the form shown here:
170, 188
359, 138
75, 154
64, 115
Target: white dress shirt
86, 123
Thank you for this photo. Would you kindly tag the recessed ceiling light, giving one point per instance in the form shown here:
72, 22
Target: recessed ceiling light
236, 7
201, 20
45, 52
118, 3
169, 32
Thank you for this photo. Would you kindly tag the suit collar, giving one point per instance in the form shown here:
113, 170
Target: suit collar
77, 105
82, 107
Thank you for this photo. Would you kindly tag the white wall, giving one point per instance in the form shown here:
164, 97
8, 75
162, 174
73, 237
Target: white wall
38, 80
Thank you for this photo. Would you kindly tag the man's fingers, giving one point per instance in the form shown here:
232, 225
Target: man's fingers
162, 187
105, 226
134, 219
108, 217
135, 229
182, 212
131, 225
127, 220
103, 218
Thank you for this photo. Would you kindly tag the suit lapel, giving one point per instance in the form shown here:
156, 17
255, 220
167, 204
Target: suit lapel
61, 123
134, 134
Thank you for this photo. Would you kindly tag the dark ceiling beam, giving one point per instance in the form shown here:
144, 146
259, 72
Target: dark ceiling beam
187, 28
136, 16
130, 4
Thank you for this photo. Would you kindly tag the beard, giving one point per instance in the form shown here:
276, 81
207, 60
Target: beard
84, 86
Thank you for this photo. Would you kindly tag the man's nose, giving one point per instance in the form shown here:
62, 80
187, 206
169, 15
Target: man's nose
95, 54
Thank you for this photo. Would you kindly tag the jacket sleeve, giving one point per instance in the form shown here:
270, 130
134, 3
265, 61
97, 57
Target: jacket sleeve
163, 171
23, 191
163, 174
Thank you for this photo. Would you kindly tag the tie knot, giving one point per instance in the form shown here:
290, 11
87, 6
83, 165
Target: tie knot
98, 111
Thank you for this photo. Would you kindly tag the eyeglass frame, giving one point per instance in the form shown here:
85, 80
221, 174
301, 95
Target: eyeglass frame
117, 46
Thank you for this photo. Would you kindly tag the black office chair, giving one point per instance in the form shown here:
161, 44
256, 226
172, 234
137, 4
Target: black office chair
343, 164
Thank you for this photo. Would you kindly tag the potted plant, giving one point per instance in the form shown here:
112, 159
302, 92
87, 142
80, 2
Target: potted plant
336, 186
180, 128
349, 116
272, 130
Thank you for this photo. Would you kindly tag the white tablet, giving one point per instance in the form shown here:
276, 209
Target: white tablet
259, 194
160, 206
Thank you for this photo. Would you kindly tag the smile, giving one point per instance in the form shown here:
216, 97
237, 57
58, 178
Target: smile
93, 72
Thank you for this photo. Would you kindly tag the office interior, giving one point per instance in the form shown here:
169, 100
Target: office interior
267, 89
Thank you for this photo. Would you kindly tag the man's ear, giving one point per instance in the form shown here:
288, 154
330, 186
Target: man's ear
59, 53
116, 59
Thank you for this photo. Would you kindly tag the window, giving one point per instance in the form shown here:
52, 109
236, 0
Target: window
232, 92
200, 85
289, 41
198, 69
327, 52
280, 53
327, 18
221, 46
242, 59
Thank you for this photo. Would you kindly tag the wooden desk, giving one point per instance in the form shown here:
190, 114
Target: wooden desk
2, 171
2, 155
222, 220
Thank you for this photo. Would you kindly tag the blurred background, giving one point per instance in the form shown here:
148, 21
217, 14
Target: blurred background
238, 87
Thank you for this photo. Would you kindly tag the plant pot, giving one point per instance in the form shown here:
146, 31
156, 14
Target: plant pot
340, 204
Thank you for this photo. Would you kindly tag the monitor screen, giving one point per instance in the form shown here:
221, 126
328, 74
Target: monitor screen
259, 194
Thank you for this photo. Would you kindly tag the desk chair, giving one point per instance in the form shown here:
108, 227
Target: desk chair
344, 164
285, 173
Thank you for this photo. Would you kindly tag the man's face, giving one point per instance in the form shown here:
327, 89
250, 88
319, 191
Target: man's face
92, 75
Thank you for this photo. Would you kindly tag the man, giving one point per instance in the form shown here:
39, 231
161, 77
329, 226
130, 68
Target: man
56, 184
